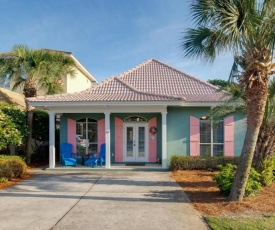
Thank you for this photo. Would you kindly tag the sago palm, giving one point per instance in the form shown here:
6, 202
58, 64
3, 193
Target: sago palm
245, 28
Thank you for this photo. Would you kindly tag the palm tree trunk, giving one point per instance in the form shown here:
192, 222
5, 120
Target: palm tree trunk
28, 147
256, 97
29, 91
265, 146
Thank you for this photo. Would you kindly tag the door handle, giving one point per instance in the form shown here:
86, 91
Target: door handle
134, 143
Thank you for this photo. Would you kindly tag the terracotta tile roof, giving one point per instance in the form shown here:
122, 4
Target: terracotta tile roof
150, 81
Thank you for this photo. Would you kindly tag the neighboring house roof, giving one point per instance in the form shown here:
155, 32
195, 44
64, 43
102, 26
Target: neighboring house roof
12, 98
150, 81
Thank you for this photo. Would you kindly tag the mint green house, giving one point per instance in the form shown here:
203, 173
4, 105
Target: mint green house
144, 115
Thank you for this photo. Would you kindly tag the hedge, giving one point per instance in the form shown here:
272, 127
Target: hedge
180, 162
12, 167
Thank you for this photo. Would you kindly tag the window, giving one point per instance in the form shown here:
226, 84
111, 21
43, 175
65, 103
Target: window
211, 138
86, 136
135, 118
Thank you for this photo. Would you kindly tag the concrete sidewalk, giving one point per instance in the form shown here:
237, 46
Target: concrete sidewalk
98, 200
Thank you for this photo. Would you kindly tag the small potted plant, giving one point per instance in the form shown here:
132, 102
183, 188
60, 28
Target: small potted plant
80, 150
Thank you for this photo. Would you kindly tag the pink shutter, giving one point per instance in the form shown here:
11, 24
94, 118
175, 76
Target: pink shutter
71, 137
152, 141
118, 140
229, 136
100, 133
194, 136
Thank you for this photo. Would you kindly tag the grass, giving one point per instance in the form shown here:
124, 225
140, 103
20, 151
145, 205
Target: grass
241, 223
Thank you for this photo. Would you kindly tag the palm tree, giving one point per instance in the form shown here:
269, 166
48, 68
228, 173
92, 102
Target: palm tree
246, 28
32, 70
265, 146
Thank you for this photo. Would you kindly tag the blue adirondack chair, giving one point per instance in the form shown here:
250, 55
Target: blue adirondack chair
93, 161
102, 154
67, 155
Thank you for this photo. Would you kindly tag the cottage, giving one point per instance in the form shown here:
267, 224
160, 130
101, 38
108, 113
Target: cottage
144, 115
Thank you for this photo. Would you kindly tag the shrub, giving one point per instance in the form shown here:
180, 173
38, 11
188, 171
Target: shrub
253, 183
5, 169
40, 133
3, 180
226, 176
12, 167
13, 126
40, 126
18, 166
266, 170
179, 162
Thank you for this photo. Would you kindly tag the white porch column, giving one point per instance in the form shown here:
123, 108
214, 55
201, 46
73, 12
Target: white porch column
164, 139
52, 140
107, 139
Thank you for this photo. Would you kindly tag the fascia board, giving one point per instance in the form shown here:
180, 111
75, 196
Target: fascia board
83, 69
110, 109
78, 103
201, 104
129, 103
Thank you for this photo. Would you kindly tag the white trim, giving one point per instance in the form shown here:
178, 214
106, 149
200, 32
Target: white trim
51, 140
83, 69
164, 139
211, 144
135, 126
44, 104
107, 140
112, 109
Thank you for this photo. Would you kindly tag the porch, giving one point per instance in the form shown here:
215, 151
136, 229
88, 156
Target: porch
119, 132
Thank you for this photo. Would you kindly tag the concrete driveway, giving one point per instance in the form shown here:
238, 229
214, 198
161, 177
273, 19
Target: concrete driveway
98, 200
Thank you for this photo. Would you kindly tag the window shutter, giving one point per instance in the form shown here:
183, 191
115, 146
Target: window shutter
118, 140
71, 137
152, 141
229, 136
194, 136
100, 133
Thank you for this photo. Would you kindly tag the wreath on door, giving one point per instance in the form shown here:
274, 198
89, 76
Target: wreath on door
153, 130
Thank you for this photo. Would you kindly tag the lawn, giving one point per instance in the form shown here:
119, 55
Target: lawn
242, 223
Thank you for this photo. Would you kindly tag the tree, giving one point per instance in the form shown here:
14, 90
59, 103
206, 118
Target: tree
265, 146
40, 135
35, 69
246, 28
13, 126
221, 84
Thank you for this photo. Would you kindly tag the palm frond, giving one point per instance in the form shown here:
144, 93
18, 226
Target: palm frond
235, 105
203, 43
38, 68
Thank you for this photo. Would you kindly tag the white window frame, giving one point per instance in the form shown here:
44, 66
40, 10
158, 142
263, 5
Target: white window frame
86, 133
211, 137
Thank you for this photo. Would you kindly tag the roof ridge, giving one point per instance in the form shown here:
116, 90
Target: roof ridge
186, 74
134, 68
148, 93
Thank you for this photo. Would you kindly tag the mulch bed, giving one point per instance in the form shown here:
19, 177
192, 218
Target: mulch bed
15, 181
206, 198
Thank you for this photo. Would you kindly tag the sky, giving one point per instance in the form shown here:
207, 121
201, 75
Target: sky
107, 37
